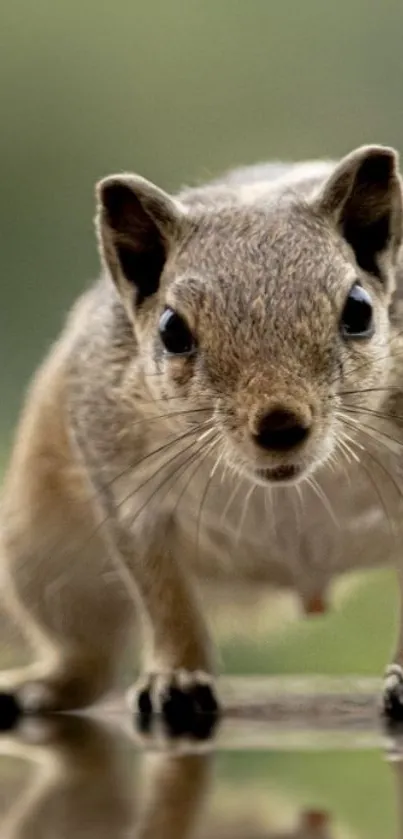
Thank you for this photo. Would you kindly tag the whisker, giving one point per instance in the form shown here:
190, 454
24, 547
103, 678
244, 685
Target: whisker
199, 515
376, 489
298, 506
227, 468
389, 388
344, 453
390, 354
134, 464
230, 499
312, 482
217, 462
147, 419
124, 571
376, 431
163, 483
106, 486
298, 488
204, 434
198, 457
100, 524
372, 457
348, 451
332, 462
388, 417
243, 514
201, 458
155, 401
92, 499
151, 477
155, 375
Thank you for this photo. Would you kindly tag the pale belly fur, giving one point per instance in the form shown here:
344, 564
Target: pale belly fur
295, 537
300, 537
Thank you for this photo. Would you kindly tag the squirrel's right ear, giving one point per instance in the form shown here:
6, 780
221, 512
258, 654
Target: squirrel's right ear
363, 197
137, 223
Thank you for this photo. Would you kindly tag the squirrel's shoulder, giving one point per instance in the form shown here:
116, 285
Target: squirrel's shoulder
97, 339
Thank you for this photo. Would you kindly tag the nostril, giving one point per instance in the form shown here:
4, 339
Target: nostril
280, 430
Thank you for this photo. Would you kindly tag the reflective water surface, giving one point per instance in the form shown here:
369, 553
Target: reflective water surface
76, 778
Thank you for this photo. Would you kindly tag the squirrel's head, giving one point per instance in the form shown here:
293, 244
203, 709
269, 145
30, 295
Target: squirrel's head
271, 315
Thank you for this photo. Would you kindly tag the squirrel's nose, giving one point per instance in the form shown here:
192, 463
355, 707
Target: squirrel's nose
281, 429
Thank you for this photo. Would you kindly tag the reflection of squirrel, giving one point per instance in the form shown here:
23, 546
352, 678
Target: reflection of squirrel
89, 780
313, 825
238, 342
81, 784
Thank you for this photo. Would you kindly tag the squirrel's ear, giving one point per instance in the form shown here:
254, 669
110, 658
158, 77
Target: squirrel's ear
363, 196
136, 223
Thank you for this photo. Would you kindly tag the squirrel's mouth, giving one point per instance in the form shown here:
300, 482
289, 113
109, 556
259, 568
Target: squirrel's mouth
285, 474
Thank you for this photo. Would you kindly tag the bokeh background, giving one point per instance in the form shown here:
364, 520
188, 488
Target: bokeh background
178, 91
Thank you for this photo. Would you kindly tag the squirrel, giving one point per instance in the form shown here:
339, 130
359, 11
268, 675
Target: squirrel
220, 403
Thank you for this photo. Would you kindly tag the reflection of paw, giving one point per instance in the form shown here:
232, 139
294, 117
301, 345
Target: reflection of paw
33, 697
315, 822
393, 693
184, 700
9, 711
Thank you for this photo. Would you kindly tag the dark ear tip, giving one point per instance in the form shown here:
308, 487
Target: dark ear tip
379, 163
103, 185
111, 191
115, 198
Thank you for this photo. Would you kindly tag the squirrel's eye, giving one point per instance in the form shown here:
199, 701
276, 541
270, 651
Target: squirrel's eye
357, 316
175, 334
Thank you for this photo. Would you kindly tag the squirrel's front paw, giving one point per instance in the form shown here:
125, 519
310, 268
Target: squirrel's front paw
393, 693
10, 711
185, 700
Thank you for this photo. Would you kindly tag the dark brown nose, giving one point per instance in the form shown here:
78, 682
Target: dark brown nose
281, 430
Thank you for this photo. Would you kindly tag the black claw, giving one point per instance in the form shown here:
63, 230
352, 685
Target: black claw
144, 703
144, 723
177, 711
10, 711
192, 711
204, 726
204, 700
393, 707
144, 717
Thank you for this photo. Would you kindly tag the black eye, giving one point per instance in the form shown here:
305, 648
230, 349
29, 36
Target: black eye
357, 317
175, 334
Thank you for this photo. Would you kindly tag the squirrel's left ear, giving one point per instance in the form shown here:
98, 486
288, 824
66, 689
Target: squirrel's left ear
137, 224
363, 197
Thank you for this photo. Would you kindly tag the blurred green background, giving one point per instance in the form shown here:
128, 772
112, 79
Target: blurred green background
177, 92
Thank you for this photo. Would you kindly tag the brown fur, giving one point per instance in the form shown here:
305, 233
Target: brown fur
134, 473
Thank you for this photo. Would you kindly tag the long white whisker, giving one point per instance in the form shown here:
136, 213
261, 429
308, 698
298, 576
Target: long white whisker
371, 455
230, 499
166, 478
344, 445
390, 443
243, 514
200, 457
375, 485
312, 482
